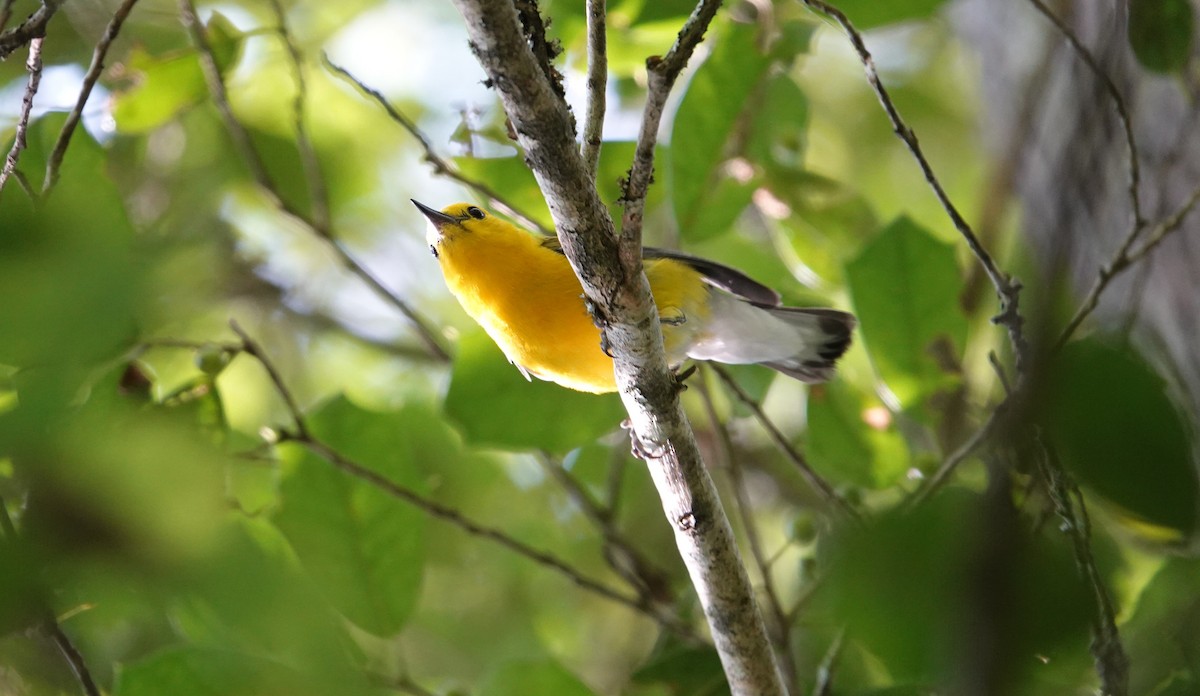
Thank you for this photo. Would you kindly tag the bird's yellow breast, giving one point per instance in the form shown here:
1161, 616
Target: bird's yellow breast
529, 301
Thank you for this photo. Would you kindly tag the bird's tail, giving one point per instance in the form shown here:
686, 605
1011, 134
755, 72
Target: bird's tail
827, 337
803, 343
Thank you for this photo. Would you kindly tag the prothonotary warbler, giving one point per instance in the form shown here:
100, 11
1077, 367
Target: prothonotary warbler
521, 289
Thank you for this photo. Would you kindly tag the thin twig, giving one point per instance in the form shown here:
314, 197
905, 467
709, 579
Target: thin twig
72, 655
49, 625
1112, 663
85, 92
249, 154
661, 74
819, 484
783, 634
1118, 101
958, 456
1007, 289
597, 83
34, 27
825, 671
302, 435
1125, 258
309, 162
441, 166
620, 552
34, 65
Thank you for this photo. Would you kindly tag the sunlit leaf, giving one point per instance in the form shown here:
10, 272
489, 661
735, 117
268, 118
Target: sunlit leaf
495, 406
512, 176
905, 286
1160, 32
848, 442
165, 85
1110, 417
363, 546
1160, 636
707, 194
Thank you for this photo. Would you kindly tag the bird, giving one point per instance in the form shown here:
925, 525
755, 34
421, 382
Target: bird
521, 289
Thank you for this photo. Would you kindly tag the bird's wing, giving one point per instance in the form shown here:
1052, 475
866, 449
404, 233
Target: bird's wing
715, 274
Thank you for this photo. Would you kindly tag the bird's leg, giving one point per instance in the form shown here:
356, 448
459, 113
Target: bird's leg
682, 375
672, 316
601, 322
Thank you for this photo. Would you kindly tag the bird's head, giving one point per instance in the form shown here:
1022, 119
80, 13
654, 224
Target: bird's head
456, 220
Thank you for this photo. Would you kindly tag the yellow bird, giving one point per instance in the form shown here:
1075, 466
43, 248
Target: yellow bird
522, 291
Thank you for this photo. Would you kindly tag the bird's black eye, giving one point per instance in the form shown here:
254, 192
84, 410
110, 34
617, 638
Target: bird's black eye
476, 213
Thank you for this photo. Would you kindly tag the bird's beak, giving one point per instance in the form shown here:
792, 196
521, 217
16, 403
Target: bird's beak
437, 217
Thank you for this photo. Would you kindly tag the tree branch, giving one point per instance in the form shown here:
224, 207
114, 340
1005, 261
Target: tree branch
597, 83
85, 92
34, 27
34, 65
249, 154
1112, 663
613, 281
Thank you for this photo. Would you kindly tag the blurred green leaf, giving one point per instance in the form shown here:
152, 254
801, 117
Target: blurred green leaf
165, 85
905, 286
191, 671
70, 277
1109, 415
898, 585
253, 597
496, 407
362, 546
1160, 637
841, 444
867, 14
1160, 33
706, 196
827, 224
527, 677
683, 669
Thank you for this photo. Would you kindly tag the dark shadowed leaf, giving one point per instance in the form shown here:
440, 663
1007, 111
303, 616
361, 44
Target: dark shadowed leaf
496, 407
1160, 32
1110, 417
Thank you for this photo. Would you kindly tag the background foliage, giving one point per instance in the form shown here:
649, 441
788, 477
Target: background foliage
171, 518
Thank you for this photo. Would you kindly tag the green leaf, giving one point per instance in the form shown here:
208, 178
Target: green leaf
867, 14
843, 447
905, 286
1160, 33
496, 407
362, 546
192, 671
827, 224
706, 197
1167, 606
684, 669
528, 677
165, 85
898, 587
1109, 415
